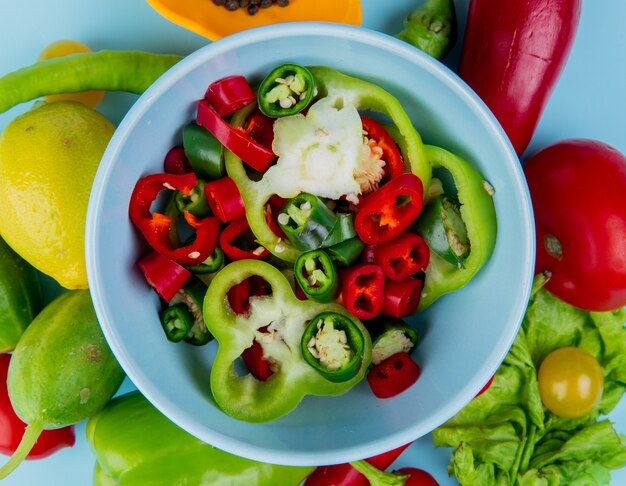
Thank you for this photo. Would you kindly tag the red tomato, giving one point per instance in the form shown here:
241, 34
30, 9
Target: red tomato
578, 190
418, 477
12, 428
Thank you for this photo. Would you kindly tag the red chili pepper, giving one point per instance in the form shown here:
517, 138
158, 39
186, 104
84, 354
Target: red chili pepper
271, 210
235, 140
402, 257
164, 275
418, 477
513, 53
401, 298
155, 227
362, 289
224, 199
239, 231
486, 387
260, 128
393, 375
256, 363
12, 428
367, 255
388, 211
394, 165
176, 161
229, 94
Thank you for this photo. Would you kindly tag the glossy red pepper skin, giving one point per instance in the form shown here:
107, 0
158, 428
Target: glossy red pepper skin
345, 475
394, 165
362, 288
224, 199
227, 95
165, 276
243, 146
418, 477
388, 211
229, 236
12, 428
393, 375
257, 365
401, 298
155, 227
513, 53
176, 161
402, 257
260, 128
272, 207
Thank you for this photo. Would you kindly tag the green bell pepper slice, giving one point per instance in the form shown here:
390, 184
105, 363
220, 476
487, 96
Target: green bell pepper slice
277, 321
136, 445
479, 215
317, 275
365, 96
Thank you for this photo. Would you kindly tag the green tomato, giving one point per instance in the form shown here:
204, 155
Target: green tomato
570, 382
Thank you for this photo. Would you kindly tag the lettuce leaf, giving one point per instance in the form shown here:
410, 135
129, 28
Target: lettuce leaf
506, 437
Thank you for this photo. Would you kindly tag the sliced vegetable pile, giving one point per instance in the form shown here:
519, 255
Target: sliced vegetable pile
299, 232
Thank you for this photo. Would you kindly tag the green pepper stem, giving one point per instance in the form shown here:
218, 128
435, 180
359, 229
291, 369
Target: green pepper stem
539, 281
376, 477
31, 434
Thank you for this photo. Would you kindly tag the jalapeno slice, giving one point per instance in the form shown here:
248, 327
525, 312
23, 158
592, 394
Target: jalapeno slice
177, 322
306, 221
316, 275
346, 252
390, 335
192, 296
286, 90
212, 264
333, 345
195, 202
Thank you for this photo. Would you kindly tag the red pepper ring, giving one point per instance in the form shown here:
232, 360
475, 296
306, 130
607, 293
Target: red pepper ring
234, 139
224, 199
235, 231
229, 95
155, 227
394, 165
393, 375
388, 211
402, 257
362, 288
401, 298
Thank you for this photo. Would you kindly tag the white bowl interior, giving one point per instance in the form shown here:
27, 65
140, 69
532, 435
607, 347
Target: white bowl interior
465, 335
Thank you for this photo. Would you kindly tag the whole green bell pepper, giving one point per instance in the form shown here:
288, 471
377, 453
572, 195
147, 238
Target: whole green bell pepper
135, 444
361, 94
21, 296
276, 320
479, 215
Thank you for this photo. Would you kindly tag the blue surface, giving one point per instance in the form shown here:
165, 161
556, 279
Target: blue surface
589, 101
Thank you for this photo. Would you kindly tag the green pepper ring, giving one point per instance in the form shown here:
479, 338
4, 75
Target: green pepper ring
269, 83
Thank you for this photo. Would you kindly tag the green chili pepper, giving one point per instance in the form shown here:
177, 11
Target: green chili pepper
195, 202
346, 252
204, 152
333, 345
317, 275
364, 96
130, 71
390, 335
192, 296
306, 221
210, 265
286, 90
342, 230
136, 445
443, 229
479, 216
177, 321
275, 320
431, 27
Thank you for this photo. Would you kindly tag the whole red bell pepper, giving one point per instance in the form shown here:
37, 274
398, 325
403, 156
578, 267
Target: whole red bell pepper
388, 211
362, 288
513, 53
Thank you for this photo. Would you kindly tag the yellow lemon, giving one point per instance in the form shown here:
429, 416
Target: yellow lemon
63, 48
48, 159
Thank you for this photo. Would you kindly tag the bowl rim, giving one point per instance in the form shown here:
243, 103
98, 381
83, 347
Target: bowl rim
341, 32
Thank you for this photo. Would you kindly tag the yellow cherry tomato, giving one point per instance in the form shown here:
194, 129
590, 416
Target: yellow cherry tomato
570, 382
63, 48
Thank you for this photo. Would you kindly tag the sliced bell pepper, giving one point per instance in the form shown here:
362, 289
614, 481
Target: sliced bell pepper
277, 321
317, 275
260, 128
479, 217
256, 363
286, 90
385, 213
224, 199
227, 95
237, 242
394, 165
165, 276
401, 298
402, 257
204, 152
364, 96
332, 344
393, 375
362, 288
155, 227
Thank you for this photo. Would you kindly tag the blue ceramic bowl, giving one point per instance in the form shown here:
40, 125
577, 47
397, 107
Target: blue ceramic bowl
466, 334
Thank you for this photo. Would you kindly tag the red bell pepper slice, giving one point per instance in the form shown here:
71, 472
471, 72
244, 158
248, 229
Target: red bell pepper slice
402, 257
388, 211
229, 95
401, 298
393, 375
155, 227
224, 199
260, 128
394, 165
165, 276
176, 161
239, 295
234, 139
239, 230
362, 288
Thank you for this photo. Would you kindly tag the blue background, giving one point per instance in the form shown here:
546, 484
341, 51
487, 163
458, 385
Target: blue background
588, 102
